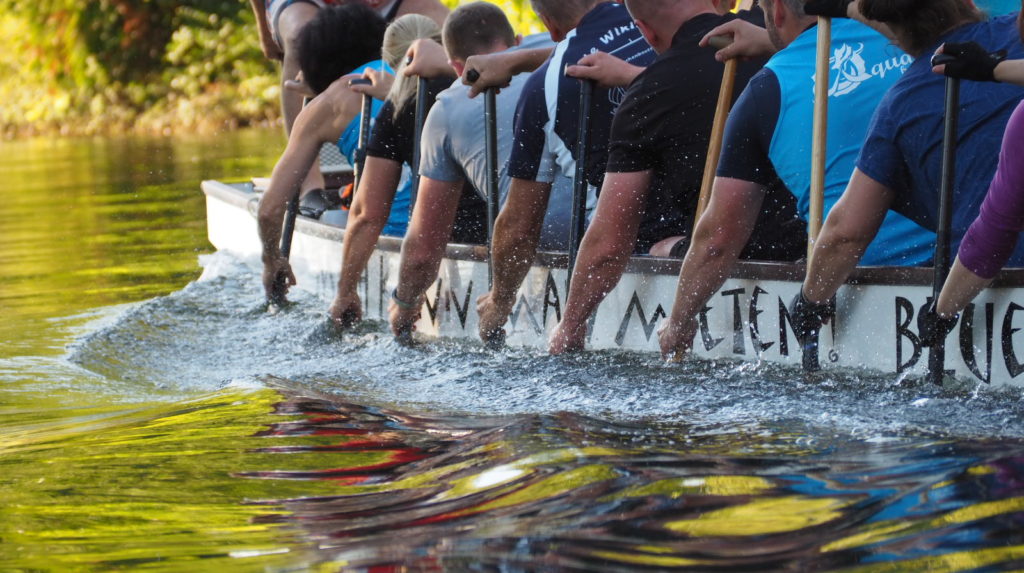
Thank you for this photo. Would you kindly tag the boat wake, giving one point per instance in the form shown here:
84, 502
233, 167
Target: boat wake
447, 456
216, 332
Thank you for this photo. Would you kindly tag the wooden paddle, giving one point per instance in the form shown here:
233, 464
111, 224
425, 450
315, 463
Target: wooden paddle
811, 362
941, 264
580, 185
725, 94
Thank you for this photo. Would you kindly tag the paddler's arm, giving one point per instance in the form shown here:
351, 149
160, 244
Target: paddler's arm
850, 227
426, 58
718, 240
437, 204
367, 217
496, 70
603, 255
1011, 72
514, 248
748, 41
267, 43
959, 290
312, 128
605, 69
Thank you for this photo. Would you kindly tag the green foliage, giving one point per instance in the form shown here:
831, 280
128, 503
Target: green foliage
149, 65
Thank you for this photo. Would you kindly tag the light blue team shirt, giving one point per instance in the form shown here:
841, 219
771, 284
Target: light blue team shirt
864, 66
398, 219
998, 7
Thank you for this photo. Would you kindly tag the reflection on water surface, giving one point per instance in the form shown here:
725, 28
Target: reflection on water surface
150, 422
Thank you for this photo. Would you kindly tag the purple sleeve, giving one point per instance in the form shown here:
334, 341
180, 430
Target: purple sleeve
992, 237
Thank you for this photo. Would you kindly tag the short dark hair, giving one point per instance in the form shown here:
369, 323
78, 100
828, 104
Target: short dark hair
338, 40
918, 24
475, 28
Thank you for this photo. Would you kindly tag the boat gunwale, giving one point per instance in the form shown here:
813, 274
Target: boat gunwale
243, 196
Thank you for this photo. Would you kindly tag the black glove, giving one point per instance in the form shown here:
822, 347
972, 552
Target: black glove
932, 328
827, 8
969, 61
807, 317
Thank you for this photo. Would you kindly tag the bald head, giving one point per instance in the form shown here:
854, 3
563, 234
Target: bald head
565, 13
659, 20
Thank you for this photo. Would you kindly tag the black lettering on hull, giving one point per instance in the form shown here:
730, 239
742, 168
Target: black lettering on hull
462, 311
1013, 365
739, 345
523, 304
904, 317
551, 300
755, 332
705, 331
648, 326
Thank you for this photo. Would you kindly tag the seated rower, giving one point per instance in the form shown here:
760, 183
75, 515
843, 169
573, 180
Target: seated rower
280, 24
899, 166
336, 42
657, 154
381, 188
454, 152
544, 142
768, 137
992, 237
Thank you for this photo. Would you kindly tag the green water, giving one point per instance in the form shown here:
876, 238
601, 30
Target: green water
101, 476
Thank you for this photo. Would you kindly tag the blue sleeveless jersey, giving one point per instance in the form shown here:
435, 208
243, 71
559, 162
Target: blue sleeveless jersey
864, 65
398, 219
998, 7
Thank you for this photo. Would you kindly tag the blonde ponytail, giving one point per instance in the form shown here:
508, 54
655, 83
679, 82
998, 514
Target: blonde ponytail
398, 37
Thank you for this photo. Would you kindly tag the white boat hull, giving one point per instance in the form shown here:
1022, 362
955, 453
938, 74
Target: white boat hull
875, 327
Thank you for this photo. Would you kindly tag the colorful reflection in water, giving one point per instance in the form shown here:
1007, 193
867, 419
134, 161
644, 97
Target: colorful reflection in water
570, 492
152, 423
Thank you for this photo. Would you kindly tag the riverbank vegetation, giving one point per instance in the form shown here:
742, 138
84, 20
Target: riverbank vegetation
156, 66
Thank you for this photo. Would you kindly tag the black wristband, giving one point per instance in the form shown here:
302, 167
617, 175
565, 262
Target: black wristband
401, 303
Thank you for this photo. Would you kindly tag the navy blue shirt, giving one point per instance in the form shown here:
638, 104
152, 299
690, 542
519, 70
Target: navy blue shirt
547, 116
903, 150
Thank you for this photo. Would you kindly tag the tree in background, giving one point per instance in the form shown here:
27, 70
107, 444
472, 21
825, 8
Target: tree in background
158, 65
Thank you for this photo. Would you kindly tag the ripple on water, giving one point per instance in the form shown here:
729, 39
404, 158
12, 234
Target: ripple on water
216, 331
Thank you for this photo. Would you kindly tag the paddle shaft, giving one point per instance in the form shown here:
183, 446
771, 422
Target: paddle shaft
822, 82
366, 115
491, 156
277, 298
725, 94
580, 184
937, 354
422, 107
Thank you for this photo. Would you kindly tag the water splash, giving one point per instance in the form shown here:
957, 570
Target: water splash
216, 332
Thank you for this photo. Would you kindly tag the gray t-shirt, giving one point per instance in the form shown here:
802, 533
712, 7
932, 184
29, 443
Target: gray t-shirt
453, 148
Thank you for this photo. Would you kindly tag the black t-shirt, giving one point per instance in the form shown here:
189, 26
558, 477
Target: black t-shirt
664, 125
392, 138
